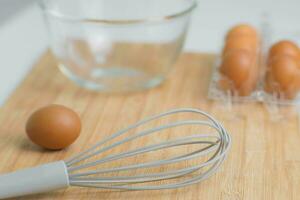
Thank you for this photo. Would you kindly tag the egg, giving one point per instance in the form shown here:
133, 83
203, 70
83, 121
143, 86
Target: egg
53, 127
236, 66
284, 47
250, 82
242, 43
285, 71
283, 76
239, 59
242, 29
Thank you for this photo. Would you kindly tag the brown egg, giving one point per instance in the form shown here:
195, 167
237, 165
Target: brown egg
242, 29
236, 66
249, 85
284, 47
285, 70
53, 127
241, 43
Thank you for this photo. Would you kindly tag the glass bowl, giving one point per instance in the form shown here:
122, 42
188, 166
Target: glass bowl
117, 45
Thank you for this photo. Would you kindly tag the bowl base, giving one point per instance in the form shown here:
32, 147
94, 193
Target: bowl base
114, 80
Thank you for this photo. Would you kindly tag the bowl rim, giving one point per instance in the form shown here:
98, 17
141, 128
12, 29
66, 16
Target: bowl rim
55, 14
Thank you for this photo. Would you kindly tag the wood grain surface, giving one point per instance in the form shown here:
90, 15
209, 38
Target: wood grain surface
264, 161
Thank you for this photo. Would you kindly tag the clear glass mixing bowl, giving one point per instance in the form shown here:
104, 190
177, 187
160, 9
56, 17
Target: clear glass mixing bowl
117, 45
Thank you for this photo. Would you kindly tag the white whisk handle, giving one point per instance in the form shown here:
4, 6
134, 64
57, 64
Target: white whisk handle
43, 178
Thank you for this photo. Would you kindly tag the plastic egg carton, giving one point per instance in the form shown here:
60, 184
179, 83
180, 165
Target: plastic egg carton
277, 106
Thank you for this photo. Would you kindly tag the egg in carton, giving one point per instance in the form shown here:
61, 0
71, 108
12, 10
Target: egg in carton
237, 73
281, 88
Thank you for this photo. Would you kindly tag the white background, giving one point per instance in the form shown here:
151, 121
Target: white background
23, 37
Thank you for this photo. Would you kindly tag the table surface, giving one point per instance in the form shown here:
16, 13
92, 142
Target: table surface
23, 37
264, 161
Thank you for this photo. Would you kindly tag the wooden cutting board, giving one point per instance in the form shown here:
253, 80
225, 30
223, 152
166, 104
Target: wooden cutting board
264, 161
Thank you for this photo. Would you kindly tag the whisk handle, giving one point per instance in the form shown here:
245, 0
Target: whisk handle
43, 178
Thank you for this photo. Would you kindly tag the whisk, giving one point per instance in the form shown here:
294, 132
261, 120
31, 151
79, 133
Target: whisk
76, 170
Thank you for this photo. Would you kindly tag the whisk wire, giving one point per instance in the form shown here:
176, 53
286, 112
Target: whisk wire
135, 136
124, 186
214, 152
77, 157
147, 149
